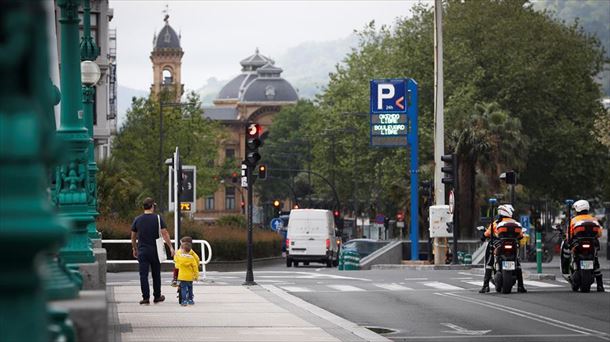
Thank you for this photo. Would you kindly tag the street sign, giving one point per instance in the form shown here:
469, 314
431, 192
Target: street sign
277, 224
393, 123
525, 223
389, 96
379, 218
439, 219
244, 175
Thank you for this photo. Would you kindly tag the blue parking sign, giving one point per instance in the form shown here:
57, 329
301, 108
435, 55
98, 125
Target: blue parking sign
525, 221
389, 96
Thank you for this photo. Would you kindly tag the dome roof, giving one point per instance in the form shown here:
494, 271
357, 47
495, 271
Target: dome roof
270, 89
167, 37
260, 81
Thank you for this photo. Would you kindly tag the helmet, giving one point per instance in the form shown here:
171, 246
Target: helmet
581, 205
506, 210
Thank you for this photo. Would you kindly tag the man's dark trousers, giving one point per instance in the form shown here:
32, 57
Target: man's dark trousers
149, 259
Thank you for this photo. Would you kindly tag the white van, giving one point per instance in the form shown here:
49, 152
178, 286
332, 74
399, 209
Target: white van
311, 237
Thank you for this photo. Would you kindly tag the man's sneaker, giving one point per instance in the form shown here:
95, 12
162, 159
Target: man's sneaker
521, 289
484, 289
191, 302
144, 302
159, 299
183, 303
174, 283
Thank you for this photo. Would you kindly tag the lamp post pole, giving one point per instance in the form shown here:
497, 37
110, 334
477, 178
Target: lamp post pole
71, 195
28, 225
89, 52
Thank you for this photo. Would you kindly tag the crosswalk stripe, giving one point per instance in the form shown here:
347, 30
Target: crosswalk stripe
539, 284
562, 281
295, 289
441, 286
393, 287
474, 282
345, 288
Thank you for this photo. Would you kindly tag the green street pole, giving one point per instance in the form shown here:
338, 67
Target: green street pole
28, 147
89, 52
72, 195
539, 252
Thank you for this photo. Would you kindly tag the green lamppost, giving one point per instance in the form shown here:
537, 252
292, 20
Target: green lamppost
90, 72
28, 146
71, 193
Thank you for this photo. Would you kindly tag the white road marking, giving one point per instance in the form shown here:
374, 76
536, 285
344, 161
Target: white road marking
562, 281
441, 286
504, 337
463, 331
470, 274
345, 288
393, 287
528, 315
295, 289
416, 278
539, 284
462, 278
473, 282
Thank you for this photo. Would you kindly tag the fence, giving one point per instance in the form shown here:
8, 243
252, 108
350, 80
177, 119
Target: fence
205, 258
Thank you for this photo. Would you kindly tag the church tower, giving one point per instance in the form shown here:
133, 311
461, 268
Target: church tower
166, 58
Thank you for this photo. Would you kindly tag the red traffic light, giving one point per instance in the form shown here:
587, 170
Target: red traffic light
234, 177
254, 130
336, 213
400, 217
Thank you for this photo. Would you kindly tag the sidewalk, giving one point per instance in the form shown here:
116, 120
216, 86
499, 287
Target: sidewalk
226, 313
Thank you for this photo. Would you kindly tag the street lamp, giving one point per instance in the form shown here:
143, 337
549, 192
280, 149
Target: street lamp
90, 73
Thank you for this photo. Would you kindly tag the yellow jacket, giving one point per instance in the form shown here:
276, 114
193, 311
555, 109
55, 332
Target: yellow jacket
187, 265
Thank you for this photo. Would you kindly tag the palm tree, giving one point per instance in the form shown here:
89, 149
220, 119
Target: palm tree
489, 140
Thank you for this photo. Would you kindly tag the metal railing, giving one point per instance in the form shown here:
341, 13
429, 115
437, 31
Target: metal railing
205, 258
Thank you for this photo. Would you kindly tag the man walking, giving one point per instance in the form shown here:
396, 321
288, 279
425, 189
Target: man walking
145, 229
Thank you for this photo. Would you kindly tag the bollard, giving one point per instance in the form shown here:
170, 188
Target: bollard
539, 252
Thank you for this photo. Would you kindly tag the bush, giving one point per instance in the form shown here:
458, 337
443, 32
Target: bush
228, 242
232, 221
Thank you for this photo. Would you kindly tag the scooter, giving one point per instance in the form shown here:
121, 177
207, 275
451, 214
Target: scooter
506, 264
579, 272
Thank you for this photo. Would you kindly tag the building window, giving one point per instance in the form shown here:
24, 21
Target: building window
229, 198
230, 153
209, 203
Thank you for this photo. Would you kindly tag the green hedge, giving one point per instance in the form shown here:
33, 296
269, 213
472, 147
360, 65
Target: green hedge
228, 241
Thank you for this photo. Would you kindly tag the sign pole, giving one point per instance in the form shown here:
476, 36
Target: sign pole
414, 145
249, 273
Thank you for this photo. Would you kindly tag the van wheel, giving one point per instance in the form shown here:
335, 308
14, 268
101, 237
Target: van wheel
329, 262
335, 262
288, 262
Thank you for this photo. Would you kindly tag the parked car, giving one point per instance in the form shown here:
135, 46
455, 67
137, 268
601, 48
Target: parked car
311, 238
364, 247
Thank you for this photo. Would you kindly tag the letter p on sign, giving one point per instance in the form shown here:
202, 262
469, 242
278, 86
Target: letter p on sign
384, 92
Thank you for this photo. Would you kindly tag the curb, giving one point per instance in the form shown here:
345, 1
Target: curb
420, 267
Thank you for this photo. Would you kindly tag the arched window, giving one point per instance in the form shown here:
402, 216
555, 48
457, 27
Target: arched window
167, 76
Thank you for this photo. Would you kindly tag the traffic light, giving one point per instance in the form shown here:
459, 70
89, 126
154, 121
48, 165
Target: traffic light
262, 172
449, 169
336, 214
510, 177
234, 177
276, 208
400, 217
253, 142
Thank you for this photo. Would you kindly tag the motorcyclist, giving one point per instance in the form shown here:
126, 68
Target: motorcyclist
505, 213
581, 207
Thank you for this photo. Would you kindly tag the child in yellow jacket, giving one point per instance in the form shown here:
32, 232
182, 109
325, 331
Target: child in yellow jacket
188, 271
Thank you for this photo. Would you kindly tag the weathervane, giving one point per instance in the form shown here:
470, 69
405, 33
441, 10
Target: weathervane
166, 12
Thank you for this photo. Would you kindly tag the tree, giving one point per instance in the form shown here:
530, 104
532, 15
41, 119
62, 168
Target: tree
118, 192
535, 70
136, 146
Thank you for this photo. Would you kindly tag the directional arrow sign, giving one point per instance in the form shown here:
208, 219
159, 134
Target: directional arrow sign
463, 331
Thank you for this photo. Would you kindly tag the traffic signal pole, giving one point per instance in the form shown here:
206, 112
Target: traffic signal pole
439, 128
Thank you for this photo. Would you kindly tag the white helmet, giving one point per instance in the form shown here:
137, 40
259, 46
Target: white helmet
581, 205
506, 210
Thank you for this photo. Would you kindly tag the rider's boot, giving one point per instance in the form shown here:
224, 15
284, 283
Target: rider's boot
485, 287
520, 287
600, 284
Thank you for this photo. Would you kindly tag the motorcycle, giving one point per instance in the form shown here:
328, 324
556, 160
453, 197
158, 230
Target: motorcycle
582, 256
506, 249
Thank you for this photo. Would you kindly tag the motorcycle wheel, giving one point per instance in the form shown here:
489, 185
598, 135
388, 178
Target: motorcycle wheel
498, 281
576, 281
507, 282
586, 280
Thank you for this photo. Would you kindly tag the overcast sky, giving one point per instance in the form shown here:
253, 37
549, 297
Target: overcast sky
216, 35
